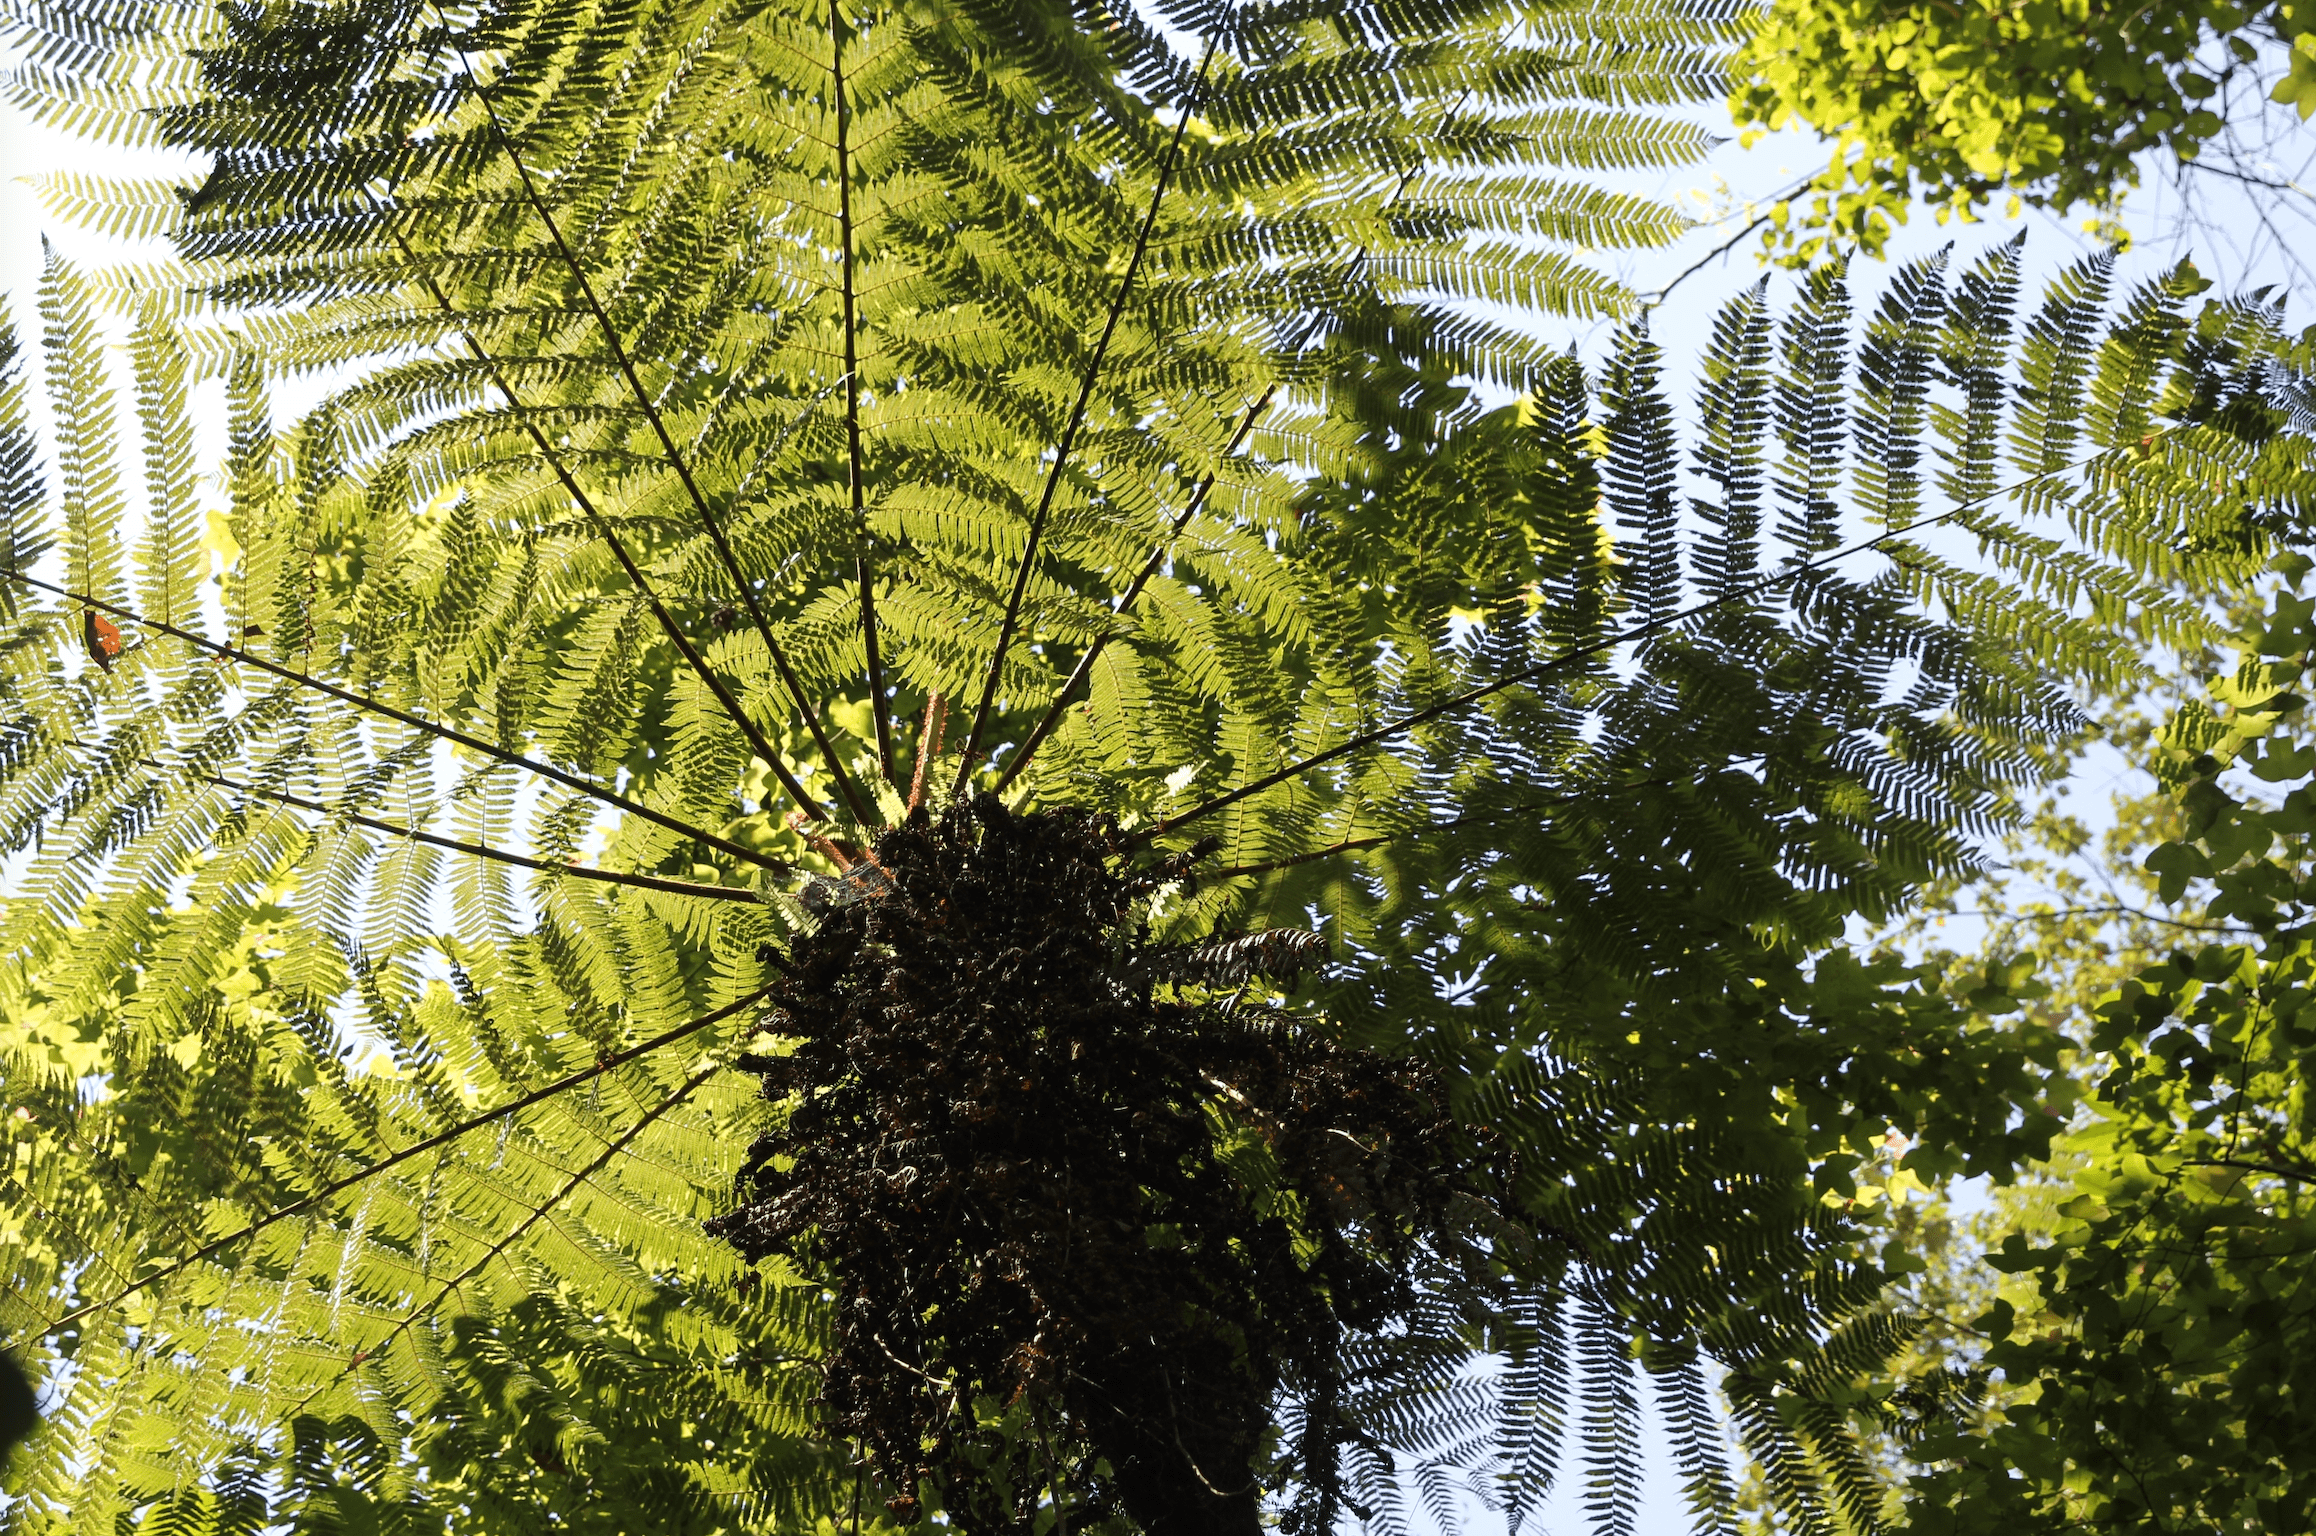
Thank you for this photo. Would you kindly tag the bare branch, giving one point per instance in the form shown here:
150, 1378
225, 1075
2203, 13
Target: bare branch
2116, 909
1652, 300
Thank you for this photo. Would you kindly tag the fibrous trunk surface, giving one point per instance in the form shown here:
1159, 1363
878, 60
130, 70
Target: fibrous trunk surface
1037, 1182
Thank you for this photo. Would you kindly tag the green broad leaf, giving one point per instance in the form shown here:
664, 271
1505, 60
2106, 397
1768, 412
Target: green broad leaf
2174, 865
2281, 763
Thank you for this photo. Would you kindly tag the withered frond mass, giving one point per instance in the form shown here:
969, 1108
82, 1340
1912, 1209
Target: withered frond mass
1022, 1171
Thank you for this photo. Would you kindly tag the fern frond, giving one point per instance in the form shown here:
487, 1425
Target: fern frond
700, 387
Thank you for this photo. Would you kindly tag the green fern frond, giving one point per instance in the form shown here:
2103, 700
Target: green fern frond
704, 391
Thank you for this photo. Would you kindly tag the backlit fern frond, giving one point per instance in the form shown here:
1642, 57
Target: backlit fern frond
742, 437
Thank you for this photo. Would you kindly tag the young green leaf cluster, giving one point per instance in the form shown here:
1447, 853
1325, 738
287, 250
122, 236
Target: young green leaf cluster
2157, 1359
2052, 105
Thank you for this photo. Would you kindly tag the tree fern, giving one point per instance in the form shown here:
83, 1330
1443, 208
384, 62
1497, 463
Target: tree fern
740, 427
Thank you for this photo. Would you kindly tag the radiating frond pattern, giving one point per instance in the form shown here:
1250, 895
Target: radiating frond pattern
738, 427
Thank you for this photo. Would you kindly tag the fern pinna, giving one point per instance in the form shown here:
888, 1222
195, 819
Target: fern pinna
763, 454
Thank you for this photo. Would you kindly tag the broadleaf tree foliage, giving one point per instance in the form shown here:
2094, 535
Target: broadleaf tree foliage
2134, 1291
758, 444
2152, 1333
2061, 107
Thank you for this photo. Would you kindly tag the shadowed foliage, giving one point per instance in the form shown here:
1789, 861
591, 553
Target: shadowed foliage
695, 393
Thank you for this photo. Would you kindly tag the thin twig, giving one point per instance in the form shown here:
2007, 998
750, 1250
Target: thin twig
2300, 1175
1652, 300
2113, 910
1174, 1423
339, 1186
419, 723
1069, 436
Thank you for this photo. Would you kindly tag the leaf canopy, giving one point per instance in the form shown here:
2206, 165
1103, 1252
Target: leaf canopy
707, 394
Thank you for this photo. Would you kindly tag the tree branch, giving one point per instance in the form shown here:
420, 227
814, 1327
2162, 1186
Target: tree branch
2117, 909
2300, 1175
1651, 301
